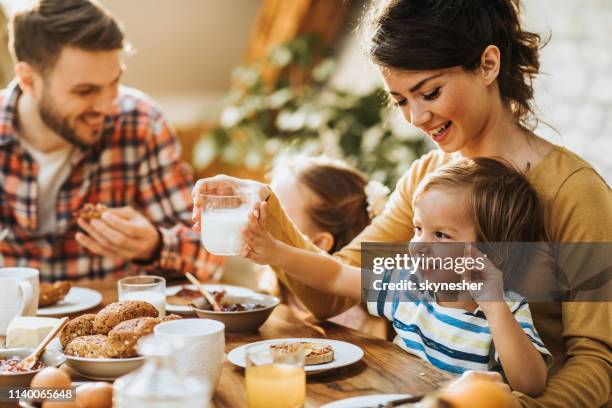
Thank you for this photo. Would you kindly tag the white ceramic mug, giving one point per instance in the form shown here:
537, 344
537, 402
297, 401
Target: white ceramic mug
202, 347
19, 289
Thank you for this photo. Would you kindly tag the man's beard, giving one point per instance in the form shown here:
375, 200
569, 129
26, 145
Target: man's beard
54, 121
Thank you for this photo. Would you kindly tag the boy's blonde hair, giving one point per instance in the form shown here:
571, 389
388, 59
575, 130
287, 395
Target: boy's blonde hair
503, 205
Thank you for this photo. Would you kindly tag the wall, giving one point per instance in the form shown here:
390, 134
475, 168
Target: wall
574, 91
186, 50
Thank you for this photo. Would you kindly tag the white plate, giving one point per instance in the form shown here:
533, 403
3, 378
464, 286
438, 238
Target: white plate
344, 354
364, 401
230, 289
77, 300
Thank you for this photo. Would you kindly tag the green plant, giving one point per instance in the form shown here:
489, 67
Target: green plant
262, 118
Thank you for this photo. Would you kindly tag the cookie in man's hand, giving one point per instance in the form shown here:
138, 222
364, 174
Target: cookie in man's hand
90, 211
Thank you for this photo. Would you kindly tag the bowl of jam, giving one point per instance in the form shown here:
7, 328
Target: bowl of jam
239, 314
10, 373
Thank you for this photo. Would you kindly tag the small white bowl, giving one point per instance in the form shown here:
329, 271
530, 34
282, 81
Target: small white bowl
51, 357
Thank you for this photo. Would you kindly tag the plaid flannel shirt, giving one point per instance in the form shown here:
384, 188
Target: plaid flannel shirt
135, 163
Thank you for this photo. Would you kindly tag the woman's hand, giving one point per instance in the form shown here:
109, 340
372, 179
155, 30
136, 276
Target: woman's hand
224, 185
260, 246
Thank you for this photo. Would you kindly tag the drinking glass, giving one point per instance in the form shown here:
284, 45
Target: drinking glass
275, 380
159, 383
151, 289
223, 219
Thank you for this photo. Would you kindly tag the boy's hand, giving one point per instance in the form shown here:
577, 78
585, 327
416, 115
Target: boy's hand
491, 280
261, 246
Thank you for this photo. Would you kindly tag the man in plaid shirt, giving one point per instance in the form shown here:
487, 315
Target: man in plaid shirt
70, 135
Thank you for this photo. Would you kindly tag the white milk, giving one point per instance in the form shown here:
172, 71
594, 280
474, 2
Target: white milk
222, 230
157, 299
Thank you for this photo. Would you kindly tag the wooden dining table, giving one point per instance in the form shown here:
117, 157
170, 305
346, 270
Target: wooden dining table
384, 369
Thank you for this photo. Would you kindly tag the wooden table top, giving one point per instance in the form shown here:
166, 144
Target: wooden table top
384, 369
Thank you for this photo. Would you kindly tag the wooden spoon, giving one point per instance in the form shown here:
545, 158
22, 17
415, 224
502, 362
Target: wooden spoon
207, 295
27, 363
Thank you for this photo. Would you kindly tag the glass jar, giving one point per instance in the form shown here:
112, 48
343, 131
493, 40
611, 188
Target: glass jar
158, 383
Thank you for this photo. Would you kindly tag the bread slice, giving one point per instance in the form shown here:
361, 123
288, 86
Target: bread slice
184, 297
314, 353
52, 293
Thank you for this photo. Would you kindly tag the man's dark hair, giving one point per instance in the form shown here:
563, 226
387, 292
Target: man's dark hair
38, 35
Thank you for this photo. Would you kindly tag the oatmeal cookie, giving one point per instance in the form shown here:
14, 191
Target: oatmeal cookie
118, 312
170, 317
77, 327
90, 211
87, 346
124, 336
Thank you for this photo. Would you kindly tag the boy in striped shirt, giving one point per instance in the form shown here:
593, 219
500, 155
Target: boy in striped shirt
469, 200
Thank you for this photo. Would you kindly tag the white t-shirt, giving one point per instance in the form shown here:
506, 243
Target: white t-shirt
53, 169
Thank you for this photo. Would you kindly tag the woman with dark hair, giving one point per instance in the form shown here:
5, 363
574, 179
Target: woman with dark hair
461, 71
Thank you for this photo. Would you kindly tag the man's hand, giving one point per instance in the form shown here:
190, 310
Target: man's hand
121, 233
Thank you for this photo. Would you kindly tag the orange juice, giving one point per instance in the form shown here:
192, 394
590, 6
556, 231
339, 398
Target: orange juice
275, 386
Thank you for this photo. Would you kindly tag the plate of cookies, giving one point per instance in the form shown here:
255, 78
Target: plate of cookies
61, 299
319, 354
102, 346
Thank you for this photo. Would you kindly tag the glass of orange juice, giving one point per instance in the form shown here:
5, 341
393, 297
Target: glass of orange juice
275, 379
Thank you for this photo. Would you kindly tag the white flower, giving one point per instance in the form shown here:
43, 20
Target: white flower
204, 152
230, 116
290, 121
230, 154
376, 193
371, 138
252, 160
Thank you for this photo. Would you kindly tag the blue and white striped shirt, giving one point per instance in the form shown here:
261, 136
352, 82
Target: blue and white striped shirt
453, 340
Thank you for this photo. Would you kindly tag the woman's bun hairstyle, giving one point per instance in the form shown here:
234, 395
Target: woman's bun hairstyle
414, 35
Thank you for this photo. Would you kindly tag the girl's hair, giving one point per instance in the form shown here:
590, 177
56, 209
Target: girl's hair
416, 35
503, 206
341, 206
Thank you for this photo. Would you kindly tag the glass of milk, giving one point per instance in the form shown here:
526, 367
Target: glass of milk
223, 219
151, 289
